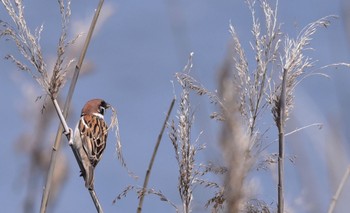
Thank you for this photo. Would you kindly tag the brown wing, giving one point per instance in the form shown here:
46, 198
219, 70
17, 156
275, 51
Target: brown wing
94, 137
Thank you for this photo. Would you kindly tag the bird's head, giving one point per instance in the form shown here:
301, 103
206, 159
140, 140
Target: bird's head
95, 107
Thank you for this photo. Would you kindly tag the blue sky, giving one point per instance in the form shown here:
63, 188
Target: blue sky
134, 55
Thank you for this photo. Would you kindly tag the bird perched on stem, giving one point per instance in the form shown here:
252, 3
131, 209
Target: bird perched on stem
90, 137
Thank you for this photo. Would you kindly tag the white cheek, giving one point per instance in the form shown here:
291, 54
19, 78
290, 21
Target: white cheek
98, 115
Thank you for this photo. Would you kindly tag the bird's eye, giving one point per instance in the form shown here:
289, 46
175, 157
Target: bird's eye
102, 110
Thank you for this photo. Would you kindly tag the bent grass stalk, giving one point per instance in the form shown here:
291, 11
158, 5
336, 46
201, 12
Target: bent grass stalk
63, 115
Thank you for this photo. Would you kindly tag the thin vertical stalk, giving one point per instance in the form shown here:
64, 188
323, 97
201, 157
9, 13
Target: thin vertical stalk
96, 201
339, 190
281, 172
57, 143
148, 172
282, 112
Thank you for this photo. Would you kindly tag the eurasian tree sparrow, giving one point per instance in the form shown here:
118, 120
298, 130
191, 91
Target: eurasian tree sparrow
90, 137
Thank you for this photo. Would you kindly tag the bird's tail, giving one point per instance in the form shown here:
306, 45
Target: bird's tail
89, 178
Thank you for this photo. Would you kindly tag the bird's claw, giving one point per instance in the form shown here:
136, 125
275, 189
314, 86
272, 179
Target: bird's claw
69, 136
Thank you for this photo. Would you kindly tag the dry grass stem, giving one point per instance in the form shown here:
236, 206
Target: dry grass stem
123, 193
339, 190
254, 85
96, 201
142, 192
184, 151
148, 172
257, 206
115, 125
247, 92
295, 63
28, 45
180, 136
217, 201
160, 194
318, 125
235, 146
192, 174
259, 89
280, 125
58, 75
32, 145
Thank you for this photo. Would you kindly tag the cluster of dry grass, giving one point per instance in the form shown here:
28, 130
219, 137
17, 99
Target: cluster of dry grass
246, 95
249, 90
28, 45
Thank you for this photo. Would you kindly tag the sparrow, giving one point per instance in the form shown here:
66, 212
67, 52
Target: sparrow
90, 137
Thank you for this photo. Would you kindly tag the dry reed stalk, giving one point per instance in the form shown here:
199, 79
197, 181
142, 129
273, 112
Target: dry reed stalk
258, 89
235, 145
280, 67
65, 114
33, 144
254, 83
180, 136
148, 172
295, 65
148, 191
281, 134
144, 190
28, 45
339, 190
184, 151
